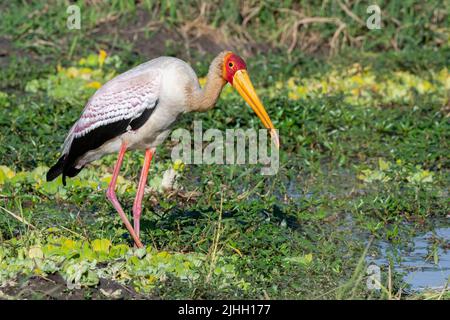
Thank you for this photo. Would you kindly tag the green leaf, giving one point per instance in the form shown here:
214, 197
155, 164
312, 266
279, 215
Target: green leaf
303, 260
383, 165
36, 253
101, 245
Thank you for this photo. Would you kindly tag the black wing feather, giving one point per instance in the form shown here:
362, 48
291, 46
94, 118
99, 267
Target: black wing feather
93, 140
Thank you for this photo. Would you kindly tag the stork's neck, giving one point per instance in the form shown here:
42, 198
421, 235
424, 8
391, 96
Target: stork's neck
205, 98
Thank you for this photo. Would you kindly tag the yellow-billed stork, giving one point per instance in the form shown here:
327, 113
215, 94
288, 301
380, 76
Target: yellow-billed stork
135, 110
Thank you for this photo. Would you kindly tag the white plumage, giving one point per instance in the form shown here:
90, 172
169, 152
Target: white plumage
119, 99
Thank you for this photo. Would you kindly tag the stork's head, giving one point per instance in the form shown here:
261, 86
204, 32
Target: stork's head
234, 71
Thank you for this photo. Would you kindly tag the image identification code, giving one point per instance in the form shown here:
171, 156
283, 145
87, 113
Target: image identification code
226, 309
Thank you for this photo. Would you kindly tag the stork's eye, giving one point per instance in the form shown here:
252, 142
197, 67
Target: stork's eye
231, 65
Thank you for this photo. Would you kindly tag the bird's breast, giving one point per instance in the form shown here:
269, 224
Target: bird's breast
155, 130
172, 102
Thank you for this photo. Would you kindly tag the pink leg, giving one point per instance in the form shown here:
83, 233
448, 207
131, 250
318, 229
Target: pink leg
137, 206
111, 195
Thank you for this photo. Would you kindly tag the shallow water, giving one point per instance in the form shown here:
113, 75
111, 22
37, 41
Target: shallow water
416, 261
413, 258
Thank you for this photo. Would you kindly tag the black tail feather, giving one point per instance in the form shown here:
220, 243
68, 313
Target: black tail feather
60, 168
70, 172
56, 170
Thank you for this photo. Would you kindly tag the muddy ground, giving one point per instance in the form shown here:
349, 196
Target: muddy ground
54, 287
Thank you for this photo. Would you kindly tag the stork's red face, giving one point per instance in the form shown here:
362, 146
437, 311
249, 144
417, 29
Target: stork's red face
231, 64
235, 72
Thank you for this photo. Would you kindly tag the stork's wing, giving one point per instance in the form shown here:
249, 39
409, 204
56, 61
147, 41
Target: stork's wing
122, 104
121, 98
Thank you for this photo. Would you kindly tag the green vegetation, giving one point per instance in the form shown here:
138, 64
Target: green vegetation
364, 128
